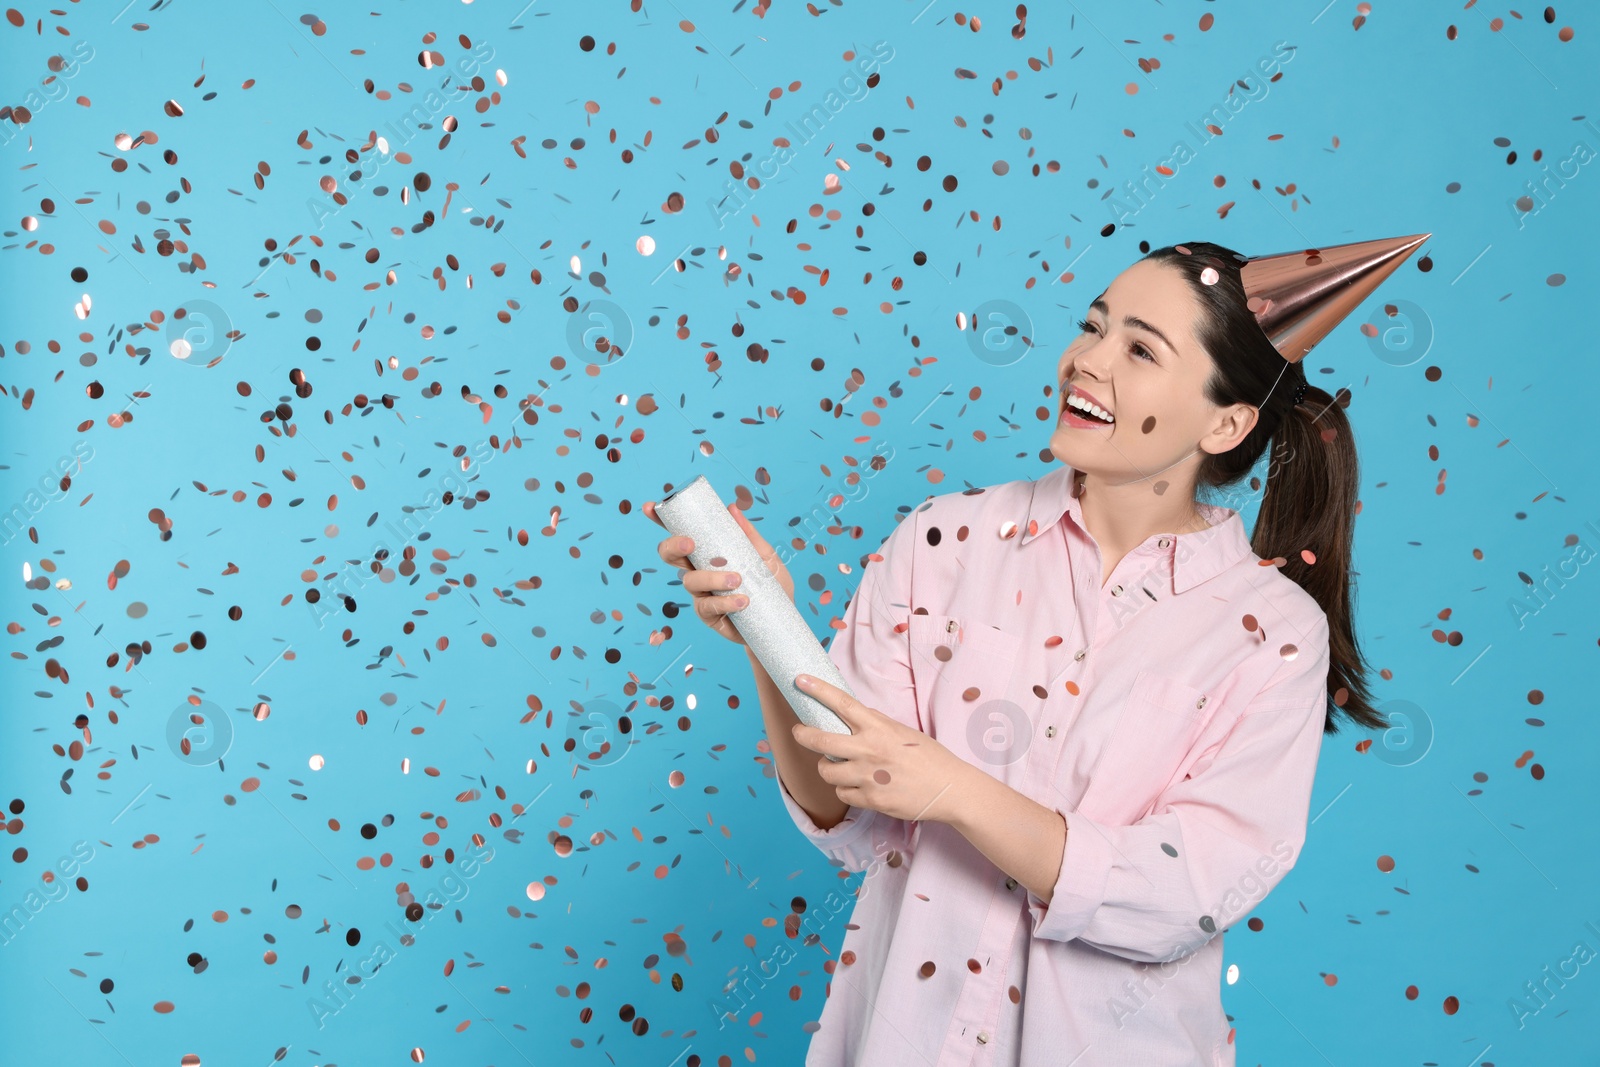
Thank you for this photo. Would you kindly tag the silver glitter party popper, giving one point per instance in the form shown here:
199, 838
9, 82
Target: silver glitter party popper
770, 624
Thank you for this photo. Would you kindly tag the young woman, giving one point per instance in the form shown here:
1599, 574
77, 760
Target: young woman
1088, 708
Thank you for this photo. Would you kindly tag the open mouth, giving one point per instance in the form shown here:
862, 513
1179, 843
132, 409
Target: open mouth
1080, 408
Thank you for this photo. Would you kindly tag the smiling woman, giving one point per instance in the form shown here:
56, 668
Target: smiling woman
1088, 708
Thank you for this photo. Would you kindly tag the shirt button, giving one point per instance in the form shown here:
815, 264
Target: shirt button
1081, 653
1011, 883
1049, 731
1200, 703
950, 627
1116, 590
1164, 542
983, 1037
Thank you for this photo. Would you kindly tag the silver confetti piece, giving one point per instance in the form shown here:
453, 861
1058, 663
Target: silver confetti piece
770, 624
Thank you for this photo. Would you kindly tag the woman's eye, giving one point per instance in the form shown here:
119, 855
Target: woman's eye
1085, 326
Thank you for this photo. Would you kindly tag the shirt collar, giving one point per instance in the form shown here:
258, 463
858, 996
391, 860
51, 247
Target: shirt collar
1194, 557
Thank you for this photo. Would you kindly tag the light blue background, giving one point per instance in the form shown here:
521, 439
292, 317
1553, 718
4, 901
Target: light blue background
1494, 879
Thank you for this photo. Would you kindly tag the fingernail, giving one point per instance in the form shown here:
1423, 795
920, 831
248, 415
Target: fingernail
803, 681
683, 544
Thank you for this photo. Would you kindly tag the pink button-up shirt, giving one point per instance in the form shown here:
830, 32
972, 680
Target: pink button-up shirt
1173, 715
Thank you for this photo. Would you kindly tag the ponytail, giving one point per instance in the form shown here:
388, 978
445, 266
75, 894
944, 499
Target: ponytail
1309, 506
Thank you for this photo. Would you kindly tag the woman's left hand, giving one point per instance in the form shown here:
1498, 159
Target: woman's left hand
889, 766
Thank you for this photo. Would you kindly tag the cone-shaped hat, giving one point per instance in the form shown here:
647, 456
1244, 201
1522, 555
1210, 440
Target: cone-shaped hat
1299, 297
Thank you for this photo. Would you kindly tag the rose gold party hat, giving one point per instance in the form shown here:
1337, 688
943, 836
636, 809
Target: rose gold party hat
1299, 297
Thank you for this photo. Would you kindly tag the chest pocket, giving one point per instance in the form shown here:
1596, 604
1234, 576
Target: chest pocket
962, 668
1159, 721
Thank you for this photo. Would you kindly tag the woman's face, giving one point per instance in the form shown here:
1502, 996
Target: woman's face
1149, 376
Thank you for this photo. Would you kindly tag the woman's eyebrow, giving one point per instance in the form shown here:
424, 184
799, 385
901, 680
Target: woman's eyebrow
1133, 320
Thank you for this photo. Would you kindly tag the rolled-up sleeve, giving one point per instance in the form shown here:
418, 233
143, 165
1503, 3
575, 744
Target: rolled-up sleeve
875, 662
1215, 843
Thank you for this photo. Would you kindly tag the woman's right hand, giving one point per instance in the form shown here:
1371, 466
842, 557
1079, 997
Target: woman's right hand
713, 609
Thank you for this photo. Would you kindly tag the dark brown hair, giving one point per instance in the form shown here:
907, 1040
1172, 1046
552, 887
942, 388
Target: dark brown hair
1310, 497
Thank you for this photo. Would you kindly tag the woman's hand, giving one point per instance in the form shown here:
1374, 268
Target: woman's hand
888, 766
712, 608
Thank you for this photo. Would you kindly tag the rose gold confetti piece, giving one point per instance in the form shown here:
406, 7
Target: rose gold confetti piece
417, 1055
1008, 530
535, 890
1289, 652
927, 969
250, 785
164, 1006
316, 763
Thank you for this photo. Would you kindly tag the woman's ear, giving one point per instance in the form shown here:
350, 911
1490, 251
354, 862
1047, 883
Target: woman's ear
1233, 425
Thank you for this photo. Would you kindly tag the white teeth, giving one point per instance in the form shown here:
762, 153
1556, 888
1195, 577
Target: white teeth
1074, 400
